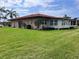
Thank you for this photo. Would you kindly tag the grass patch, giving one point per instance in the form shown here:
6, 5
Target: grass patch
35, 44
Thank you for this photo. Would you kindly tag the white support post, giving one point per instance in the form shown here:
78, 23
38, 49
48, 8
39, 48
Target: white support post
76, 22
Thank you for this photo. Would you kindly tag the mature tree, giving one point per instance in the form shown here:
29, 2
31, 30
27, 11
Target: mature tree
11, 13
6, 13
2, 11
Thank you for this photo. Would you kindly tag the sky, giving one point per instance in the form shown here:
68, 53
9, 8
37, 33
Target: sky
49, 7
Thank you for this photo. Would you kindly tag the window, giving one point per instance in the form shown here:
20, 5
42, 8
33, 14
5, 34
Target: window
63, 22
55, 22
51, 22
41, 21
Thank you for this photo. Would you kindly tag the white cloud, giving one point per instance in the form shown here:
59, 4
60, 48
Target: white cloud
60, 12
14, 1
31, 3
18, 10
26, 3
1, 3
9, 3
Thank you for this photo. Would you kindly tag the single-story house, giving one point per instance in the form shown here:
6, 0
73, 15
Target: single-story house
41, 21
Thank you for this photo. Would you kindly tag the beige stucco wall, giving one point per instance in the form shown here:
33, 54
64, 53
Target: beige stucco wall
30, 22
14, 24
26, 21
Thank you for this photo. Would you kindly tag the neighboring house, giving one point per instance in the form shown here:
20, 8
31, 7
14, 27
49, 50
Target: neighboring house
77, 19
41, 21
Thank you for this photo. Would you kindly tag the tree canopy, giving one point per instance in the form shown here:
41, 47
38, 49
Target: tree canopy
7, 13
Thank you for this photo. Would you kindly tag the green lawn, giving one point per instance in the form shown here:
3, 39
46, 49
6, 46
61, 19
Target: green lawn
36, 44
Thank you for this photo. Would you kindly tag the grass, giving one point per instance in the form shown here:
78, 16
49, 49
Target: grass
35, 44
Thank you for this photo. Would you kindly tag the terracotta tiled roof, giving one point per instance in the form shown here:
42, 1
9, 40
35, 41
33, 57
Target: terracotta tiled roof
36, 15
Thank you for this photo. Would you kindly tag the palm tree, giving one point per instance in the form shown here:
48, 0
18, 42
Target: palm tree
11, 14
66, 17
2, 11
